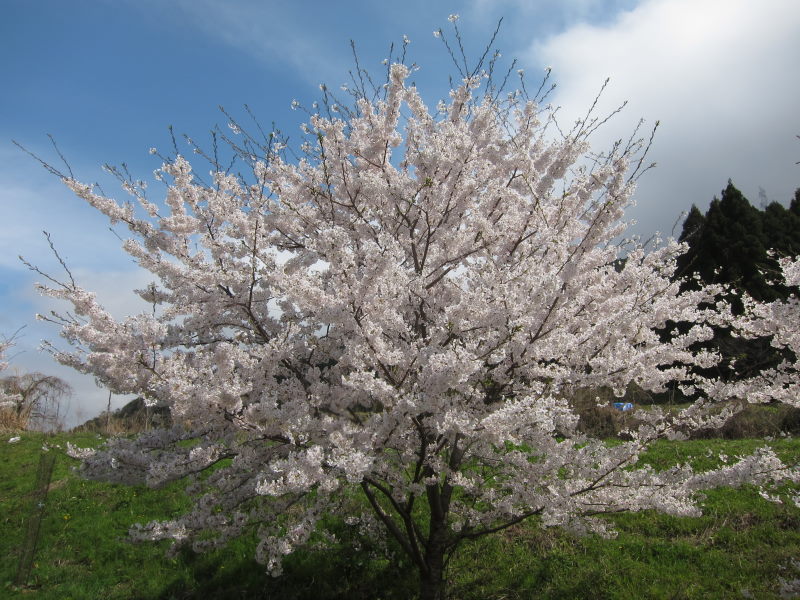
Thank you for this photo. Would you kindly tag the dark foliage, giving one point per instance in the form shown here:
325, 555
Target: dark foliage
738, 245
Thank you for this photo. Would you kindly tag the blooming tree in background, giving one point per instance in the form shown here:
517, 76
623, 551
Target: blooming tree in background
402, 313
34, 400
30, 400
8, 398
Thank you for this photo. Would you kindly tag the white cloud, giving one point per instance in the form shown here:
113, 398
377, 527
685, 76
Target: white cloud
721, 76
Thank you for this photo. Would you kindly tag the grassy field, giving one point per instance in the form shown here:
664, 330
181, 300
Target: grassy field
739, 549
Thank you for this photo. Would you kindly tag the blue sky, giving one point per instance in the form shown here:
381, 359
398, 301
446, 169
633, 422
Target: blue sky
106, 78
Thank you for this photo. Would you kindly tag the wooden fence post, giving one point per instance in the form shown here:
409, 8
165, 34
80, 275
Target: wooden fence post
44, 473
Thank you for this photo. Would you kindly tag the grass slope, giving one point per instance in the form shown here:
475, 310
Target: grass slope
738, 548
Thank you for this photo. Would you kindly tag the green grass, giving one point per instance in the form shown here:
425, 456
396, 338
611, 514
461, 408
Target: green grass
740, 544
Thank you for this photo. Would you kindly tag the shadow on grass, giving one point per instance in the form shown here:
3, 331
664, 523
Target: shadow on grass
326, 574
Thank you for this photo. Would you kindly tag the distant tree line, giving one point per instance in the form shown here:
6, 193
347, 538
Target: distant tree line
731, 244
737, 244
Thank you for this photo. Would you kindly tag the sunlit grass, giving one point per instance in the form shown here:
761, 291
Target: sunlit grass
741, 545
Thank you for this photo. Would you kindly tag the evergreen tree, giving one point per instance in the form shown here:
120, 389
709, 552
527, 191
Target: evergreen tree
737, 244
782, 235
691, 234
730, 244
794, 207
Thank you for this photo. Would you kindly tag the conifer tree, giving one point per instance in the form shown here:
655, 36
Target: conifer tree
691, 234
733, 250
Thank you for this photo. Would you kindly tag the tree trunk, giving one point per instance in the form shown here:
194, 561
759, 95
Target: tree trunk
432, 582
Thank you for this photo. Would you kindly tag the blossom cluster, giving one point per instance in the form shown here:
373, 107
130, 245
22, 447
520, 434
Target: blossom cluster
780, 321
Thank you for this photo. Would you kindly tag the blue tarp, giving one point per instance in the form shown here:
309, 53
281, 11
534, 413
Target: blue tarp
623, 406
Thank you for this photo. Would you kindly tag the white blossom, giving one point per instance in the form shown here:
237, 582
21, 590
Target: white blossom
779, 320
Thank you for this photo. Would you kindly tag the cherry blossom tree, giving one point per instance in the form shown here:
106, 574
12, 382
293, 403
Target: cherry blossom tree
401, 315
30, 400
8, 398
